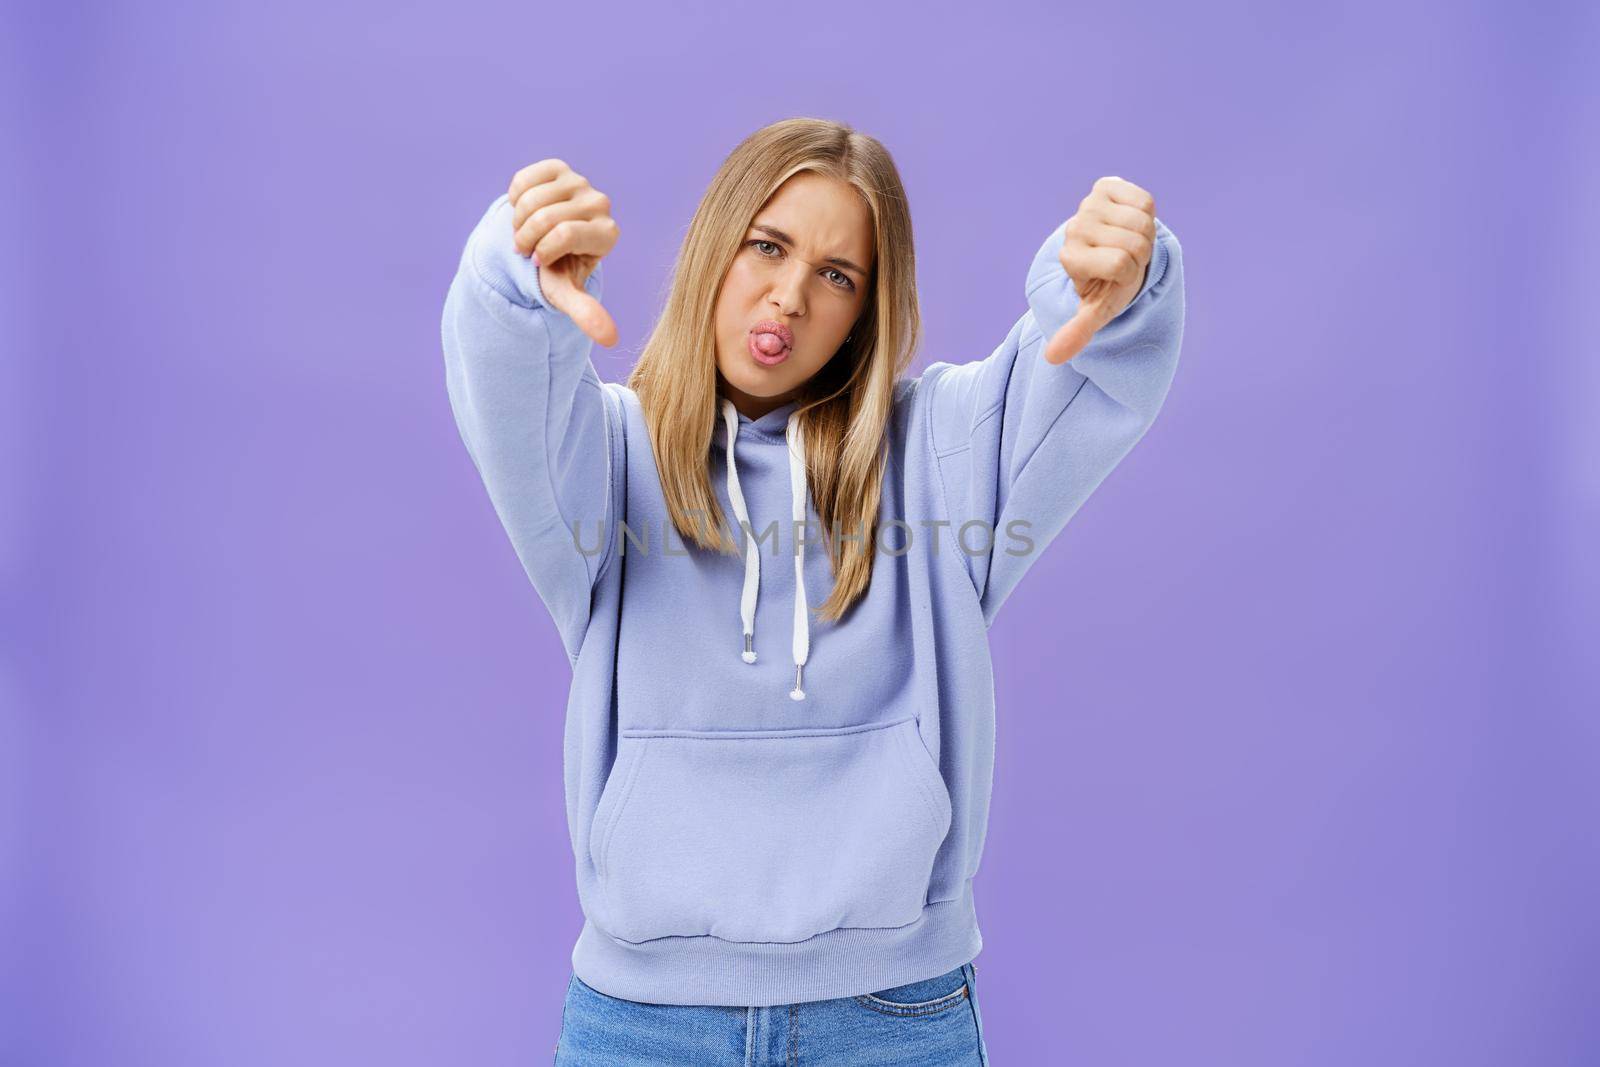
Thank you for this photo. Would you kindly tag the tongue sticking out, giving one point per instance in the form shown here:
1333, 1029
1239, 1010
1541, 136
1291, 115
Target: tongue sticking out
769, 343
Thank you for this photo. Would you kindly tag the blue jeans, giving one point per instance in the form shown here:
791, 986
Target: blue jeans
931, 1023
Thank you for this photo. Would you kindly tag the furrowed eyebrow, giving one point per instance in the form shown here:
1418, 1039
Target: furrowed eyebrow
838, 261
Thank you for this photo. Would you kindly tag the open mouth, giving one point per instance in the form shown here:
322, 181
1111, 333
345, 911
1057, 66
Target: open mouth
770, 343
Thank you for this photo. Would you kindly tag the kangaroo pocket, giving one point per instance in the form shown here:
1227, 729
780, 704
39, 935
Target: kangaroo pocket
767, 835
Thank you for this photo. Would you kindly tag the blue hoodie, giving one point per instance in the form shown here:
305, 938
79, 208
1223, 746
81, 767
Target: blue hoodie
766, 808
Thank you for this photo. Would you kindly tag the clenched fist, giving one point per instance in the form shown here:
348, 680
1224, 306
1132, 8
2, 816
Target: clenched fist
565, 225
1106, 253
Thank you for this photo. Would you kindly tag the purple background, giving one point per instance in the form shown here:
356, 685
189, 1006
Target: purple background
1297, 734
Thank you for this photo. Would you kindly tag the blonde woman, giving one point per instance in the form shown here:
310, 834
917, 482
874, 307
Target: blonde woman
772, 558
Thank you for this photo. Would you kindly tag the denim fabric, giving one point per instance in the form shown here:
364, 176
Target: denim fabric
931, 1023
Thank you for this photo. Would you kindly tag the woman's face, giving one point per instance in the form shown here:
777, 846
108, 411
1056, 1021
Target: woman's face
805, 265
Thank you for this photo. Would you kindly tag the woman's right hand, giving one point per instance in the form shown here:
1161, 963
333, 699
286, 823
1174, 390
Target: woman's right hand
565, 224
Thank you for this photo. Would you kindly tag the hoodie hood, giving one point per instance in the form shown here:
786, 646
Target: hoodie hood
733, 424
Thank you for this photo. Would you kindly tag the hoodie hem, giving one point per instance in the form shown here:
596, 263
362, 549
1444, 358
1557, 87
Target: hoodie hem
708, 970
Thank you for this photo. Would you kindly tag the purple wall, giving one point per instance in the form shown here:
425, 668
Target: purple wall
1298, 744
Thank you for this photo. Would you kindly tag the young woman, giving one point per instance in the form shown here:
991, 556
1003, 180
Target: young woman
777, 812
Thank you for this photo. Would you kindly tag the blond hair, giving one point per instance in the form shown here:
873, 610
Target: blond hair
845, 407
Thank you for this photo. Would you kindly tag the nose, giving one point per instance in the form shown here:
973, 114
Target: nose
788, 291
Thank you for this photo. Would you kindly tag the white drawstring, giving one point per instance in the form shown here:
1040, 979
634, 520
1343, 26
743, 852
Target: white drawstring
752, 565
797, 495
752, 557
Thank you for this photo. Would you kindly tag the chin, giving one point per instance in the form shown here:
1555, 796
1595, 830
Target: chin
754, 384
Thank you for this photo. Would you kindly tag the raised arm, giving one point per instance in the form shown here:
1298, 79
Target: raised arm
534, 416
1021, 441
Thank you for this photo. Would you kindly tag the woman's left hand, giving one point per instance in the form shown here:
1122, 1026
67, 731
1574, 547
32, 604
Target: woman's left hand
1106, 253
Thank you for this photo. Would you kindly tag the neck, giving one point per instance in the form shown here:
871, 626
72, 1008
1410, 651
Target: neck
753, 407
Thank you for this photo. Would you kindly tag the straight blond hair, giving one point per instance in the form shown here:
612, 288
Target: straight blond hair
845, 407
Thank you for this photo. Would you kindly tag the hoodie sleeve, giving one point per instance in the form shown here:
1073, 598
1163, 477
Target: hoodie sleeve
533, 414
1020, 443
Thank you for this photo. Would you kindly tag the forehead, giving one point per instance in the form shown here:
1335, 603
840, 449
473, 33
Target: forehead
826, 217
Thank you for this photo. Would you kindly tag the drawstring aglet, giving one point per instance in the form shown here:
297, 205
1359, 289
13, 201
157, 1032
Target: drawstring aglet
797, 693
749, 652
